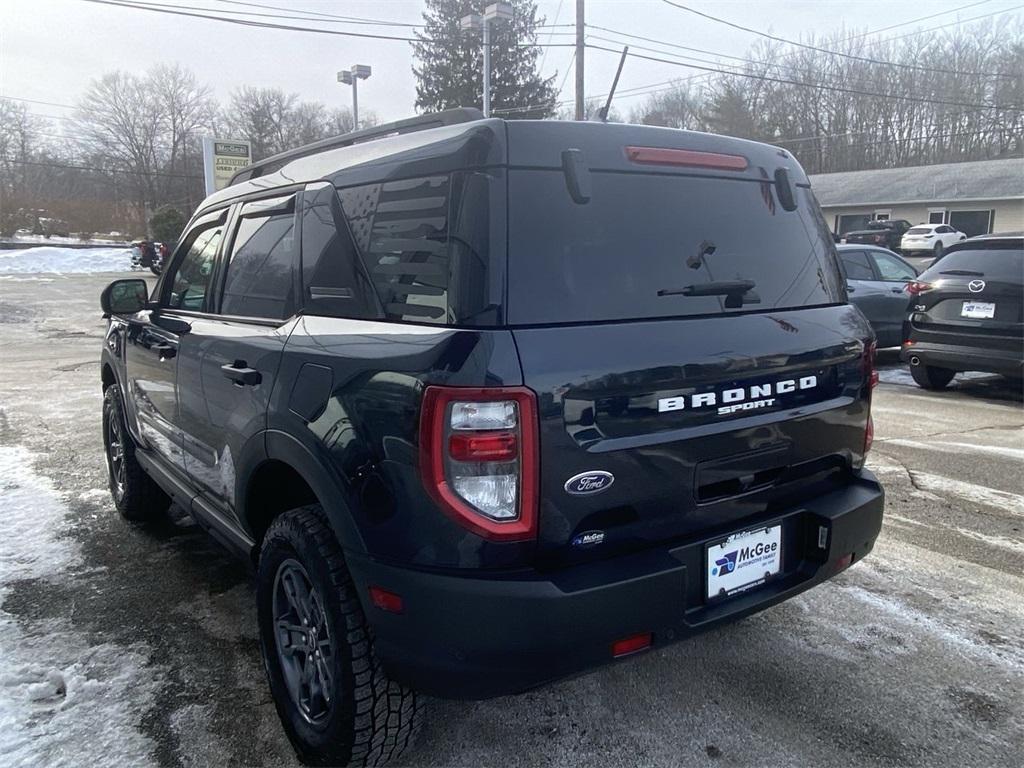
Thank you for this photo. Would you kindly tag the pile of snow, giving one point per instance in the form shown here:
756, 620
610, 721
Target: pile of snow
66, 260
65, 700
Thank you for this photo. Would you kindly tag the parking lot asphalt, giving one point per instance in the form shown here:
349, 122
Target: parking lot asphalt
137, 646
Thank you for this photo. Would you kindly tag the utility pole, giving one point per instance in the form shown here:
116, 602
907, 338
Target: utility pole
580, 109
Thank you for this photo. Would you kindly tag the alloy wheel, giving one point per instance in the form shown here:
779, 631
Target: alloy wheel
303, 642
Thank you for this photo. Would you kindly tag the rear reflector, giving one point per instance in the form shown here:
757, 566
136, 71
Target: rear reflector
631, 644
483, 446
385, 600
686, 157
843, 563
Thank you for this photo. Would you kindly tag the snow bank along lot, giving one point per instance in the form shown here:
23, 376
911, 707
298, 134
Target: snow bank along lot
131, 646
64, 260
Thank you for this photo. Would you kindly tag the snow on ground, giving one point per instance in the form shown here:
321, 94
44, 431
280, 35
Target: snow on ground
63, 701
65, 260
22, 237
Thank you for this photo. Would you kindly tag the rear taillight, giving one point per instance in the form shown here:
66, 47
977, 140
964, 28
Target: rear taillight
916, 287
871, 379
870, 371
479, 458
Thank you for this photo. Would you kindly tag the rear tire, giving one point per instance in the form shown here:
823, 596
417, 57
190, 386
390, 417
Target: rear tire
136, 495
930, 377
334, 700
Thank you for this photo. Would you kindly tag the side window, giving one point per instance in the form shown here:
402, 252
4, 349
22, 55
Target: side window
401, 231
856, 265
891, 268
334, 278
260, 281
943, 230
190, 282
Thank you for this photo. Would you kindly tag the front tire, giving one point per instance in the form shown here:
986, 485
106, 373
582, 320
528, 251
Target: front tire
136, 495
334, 700
930, 377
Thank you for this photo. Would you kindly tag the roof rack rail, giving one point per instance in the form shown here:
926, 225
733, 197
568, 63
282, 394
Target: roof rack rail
408, 125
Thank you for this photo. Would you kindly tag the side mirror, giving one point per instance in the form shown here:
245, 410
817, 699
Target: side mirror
124, 297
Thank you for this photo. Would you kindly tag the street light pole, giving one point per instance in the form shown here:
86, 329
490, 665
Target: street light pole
352, 77
487, 68
474, 21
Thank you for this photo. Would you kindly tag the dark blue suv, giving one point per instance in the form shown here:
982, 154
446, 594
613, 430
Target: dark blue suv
491, 403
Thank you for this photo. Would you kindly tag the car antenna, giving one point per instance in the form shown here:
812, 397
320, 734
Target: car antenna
602, 114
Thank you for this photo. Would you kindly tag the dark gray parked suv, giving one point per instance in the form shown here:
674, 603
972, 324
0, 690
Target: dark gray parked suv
491, 403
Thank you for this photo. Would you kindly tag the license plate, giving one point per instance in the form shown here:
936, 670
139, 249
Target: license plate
979, 310
743, 561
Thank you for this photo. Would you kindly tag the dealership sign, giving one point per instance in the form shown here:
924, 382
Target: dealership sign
222, 158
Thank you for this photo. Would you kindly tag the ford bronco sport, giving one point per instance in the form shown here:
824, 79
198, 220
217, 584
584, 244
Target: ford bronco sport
492, 403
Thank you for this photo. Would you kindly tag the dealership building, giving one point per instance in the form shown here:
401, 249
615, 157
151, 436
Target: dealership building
976, 197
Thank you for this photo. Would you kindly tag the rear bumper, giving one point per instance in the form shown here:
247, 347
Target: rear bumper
964, 358
476, 637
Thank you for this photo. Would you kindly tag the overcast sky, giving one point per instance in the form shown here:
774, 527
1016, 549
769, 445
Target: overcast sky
51, 49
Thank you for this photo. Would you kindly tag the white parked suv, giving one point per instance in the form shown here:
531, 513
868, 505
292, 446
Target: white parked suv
929, 240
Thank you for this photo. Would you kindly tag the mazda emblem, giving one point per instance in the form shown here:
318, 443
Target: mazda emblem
976, 286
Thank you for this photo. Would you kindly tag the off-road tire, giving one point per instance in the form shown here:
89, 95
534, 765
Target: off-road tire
138, 498
370, 719
930, 377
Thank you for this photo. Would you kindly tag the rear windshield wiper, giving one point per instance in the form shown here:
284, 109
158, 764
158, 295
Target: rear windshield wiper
735, 291
968, 272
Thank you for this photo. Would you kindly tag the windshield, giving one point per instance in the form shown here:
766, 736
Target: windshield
660, 245
919, 231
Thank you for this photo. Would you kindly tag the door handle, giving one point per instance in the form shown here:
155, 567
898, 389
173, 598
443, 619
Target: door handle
850, 289
166, 351
896, 290
241, 374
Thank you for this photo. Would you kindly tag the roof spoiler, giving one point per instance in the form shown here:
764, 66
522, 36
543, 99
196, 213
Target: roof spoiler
408, 125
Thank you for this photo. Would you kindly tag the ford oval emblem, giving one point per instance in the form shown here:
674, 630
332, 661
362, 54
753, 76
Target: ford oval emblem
588, 483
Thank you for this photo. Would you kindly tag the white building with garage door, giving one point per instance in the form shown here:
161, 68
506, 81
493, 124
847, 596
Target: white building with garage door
976, 197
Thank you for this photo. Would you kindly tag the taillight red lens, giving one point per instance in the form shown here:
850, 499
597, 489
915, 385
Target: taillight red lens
916, 287
686, 157
479, 458
870, 371
483, 446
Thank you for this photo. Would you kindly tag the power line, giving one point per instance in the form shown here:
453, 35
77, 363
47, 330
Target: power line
952, 23
834, 88
919, 18
174, 11
351, 19
551, 36
95, 169
830, 51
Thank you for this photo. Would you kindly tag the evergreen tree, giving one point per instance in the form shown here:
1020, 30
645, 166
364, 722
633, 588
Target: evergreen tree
450, 61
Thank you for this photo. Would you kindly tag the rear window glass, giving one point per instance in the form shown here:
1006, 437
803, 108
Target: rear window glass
919, 231
993, 260
661, 245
